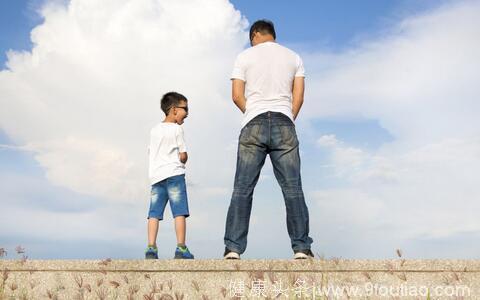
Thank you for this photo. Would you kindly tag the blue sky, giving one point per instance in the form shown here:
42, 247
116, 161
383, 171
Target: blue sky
381, 164
331, 24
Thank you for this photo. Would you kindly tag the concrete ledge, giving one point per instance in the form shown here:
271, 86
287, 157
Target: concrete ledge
248, 279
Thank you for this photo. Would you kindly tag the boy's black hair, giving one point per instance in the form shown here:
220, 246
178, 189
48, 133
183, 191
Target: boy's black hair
170, 100
263, 26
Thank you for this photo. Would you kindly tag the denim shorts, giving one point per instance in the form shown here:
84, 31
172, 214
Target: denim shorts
174, 190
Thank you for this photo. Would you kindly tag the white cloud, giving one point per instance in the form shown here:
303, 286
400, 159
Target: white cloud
328, 140
87, 94
419, 82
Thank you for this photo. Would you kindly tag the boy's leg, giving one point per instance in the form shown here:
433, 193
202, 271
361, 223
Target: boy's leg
152, 231
177, 194
158, 201
286, 166
180, 229
250, 159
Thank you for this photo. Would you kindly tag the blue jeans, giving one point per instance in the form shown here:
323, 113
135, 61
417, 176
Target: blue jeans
274, 134
173, 190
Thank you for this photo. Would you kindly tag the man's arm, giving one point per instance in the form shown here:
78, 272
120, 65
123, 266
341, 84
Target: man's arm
238, 94
297, 95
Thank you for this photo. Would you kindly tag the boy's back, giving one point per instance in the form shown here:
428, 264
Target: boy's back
166, 142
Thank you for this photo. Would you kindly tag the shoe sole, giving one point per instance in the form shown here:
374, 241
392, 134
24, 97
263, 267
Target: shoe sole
301, 255
181, 257
232, 255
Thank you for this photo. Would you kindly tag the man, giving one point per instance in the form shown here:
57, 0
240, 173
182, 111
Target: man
268, 87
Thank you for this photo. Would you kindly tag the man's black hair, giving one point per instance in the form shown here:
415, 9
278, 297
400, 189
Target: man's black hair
263, 26
170, 100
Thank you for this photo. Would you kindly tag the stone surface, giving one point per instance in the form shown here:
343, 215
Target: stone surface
247, 279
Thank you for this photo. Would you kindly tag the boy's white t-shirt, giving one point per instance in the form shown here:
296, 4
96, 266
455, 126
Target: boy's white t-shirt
166, 143
268, 70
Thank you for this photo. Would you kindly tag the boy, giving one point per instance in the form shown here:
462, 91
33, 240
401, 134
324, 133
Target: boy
167, 158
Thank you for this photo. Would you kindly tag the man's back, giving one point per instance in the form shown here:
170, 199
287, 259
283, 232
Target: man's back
268, 70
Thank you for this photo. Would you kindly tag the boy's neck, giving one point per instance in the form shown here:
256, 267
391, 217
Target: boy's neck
169, 119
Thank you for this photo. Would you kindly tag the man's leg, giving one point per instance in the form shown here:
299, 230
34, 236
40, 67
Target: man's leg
250, 159
286, 166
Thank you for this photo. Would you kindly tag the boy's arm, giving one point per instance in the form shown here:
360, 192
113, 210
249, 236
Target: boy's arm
238, 94
182, 148
297, 95
183, 157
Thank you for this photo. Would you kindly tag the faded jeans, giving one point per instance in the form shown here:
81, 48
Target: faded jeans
274, 134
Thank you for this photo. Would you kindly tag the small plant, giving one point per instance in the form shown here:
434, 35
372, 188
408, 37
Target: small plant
102, 293
402, 276
165, 297
272, 277
367, 275
52, 295
99, 282
13, 286
32, 284
155, 288
150, 296
223, 291
455, 276
78, 280
133, 290
390, 267
237, 267
336, 260
20, 250
105, 262
320, 256
195, 286
5, 274
399, 253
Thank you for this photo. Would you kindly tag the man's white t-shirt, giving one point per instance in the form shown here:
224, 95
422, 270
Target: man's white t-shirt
268, 70
166, 143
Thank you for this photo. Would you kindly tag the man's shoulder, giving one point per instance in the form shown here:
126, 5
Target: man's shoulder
245, 52
271, 47
287, 50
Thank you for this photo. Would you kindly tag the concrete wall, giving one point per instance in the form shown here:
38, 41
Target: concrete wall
244, 279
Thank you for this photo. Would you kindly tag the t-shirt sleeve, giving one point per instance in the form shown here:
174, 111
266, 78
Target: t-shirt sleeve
182, 147
238, 69
300, 72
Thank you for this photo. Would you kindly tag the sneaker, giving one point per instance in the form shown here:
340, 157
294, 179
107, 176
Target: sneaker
151, 253
229, 254
183, 253
303, 254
